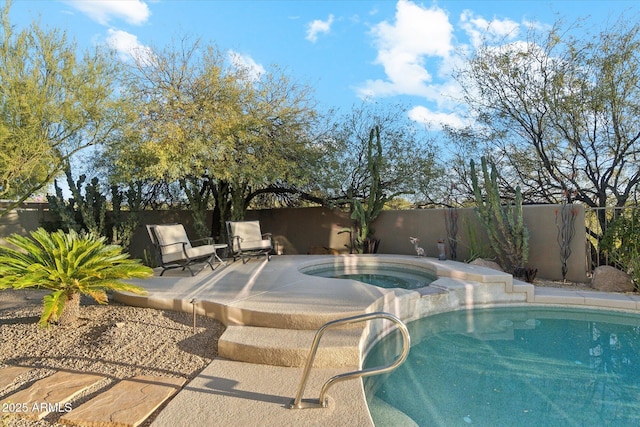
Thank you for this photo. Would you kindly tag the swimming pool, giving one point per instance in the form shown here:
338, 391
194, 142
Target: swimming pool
513, 366
382, 275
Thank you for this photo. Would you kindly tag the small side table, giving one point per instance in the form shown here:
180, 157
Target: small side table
217, 246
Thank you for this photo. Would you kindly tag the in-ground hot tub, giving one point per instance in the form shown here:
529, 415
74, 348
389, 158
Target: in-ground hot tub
381, 274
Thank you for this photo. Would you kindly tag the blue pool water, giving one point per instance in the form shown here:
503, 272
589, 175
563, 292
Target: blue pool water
381, 275
513, 367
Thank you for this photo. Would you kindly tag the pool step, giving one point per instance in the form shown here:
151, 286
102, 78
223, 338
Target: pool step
287, 347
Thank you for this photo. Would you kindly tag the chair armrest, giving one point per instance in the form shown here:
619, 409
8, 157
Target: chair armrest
207, 240
183, 244
269, 235
236, 238
171, 244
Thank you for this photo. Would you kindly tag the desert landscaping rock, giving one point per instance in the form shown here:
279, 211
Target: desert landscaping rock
610, 279
486, 263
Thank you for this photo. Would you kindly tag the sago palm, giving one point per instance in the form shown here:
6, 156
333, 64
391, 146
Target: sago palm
70, 265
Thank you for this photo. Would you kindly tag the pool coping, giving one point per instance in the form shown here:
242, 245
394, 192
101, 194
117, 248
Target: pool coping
238, 392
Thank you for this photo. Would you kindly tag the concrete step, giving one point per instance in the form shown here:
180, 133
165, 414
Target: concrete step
50, 394
277, 316
287, 347
128, 403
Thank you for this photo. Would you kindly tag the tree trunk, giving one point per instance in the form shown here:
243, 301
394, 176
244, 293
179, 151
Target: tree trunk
71, 310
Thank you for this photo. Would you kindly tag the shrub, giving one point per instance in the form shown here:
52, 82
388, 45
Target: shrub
69, 265
621, 243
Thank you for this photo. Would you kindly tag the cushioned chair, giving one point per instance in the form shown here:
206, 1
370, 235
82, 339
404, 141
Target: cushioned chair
247, 240
175, 250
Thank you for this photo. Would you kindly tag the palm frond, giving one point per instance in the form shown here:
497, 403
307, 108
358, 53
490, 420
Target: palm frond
99, 296
53, 305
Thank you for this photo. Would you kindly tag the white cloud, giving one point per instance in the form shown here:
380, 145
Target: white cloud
134, 12
479, 29
246, 63
128, 46
417, 34
436, 120
318, 26
420, 49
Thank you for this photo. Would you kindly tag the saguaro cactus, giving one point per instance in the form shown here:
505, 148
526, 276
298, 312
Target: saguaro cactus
508, 235
364, 210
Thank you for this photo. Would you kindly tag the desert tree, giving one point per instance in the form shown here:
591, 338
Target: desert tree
225, 133
373, 155
560, 113
407, 154
54, 102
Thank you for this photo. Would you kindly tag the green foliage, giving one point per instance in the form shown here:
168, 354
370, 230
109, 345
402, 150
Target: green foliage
371, 156
199, 197
63, 213
476, 247
505, 227
92, 206
223, 133
67, 264
87, 210
561, 112
621, 243
124, 224
364, 212
53, 103
407, 161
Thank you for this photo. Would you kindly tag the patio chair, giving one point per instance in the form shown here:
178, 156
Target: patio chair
175, 250
246, 240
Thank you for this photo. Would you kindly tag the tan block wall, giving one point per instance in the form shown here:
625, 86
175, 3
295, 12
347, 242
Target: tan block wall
299, 230
21, 221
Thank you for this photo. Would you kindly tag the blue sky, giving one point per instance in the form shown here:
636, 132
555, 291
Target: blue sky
391, 51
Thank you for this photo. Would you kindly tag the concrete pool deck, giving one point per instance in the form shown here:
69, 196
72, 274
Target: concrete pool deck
272, 311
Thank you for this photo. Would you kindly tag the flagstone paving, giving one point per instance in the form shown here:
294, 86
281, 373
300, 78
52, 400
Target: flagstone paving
128, 403
9, 374
50, 394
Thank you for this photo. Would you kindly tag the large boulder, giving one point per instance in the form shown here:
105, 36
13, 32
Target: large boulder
486, 263
610, 279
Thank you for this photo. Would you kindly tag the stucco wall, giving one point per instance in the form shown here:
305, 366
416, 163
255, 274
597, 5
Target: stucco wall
301, 230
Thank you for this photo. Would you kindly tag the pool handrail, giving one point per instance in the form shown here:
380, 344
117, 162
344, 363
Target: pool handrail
322, 402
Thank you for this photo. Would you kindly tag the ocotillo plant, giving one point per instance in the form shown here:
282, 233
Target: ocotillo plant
565, 222
508, 235
451, 224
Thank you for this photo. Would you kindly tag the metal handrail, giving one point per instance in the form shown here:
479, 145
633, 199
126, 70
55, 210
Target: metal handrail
322, 401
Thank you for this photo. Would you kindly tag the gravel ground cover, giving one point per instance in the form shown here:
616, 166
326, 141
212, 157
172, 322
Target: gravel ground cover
113, 340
